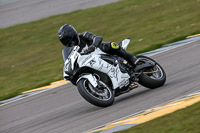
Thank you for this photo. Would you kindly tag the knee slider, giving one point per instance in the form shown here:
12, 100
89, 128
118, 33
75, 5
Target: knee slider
114, 45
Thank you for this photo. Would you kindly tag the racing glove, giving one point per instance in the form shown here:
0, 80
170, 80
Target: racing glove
96, 40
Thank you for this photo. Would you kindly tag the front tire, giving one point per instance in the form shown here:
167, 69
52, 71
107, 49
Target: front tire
102, 96
152, 80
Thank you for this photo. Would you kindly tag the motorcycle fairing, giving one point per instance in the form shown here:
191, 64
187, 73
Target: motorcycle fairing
124, 44
94, 61
70, 57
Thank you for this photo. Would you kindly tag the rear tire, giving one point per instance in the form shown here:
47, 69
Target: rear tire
154, 80
103, 98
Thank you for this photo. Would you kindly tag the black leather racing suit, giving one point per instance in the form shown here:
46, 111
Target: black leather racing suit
89, 41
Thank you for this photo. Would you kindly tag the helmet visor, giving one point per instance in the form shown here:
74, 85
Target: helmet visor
70, 41
66, 41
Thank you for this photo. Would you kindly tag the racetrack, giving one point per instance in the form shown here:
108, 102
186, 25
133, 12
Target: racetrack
63, 110
20, 11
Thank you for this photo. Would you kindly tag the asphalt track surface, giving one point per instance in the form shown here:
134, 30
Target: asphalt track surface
63, 110
20, 11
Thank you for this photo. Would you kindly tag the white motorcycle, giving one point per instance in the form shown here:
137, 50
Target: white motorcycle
101, 77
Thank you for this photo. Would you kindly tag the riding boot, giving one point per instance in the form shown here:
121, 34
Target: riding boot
129, 57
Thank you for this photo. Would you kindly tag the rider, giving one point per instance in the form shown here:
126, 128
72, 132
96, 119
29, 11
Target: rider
87, 41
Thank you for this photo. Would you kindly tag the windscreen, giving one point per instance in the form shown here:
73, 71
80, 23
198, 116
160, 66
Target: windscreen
66, 52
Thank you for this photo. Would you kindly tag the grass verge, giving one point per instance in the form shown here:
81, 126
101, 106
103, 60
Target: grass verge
30, 53
186, 120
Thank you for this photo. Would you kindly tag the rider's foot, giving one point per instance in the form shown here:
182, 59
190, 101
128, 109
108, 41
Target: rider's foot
133, 61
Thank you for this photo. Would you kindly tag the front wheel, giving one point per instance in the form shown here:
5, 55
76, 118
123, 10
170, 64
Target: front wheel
152, 77
101, 96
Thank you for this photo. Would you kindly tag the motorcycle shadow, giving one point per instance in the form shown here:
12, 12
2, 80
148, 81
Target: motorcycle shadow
136, 95
138, 92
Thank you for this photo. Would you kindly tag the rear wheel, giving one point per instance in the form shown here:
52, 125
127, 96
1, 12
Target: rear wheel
101, 96
153, 77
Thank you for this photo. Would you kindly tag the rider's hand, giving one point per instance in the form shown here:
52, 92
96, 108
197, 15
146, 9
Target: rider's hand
97, 41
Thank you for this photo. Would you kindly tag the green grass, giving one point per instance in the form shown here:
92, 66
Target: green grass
30, 54
186, 120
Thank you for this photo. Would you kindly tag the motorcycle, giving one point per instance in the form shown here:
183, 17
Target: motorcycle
101, 77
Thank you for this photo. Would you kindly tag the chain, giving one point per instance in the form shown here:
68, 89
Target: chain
148, 72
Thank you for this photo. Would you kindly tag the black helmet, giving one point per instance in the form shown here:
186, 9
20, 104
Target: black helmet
68, 35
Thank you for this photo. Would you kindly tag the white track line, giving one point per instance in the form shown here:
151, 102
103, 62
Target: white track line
31, 95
